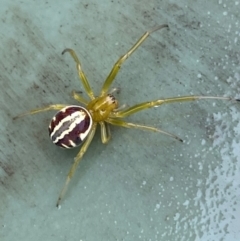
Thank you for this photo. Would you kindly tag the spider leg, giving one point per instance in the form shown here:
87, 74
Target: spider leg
81, 74
122, 123
112, 91
121, 107
122, 59
105, 132
42, 109
79, 98
156, 103
77, 159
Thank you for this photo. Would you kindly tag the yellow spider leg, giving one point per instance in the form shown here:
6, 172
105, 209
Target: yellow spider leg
150, 104
121, 60
81, 74
122, 123
121, 107
105, 132
79, 98
112, 91
77, 159
42, 109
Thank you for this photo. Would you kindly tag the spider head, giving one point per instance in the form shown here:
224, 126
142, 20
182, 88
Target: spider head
101, 107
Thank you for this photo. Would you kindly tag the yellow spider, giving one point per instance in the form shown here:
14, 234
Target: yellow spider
74, 125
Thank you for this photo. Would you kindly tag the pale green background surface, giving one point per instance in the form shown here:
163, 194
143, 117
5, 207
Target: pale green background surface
141, 186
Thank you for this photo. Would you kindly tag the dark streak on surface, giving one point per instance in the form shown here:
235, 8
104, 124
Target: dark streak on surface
7, 169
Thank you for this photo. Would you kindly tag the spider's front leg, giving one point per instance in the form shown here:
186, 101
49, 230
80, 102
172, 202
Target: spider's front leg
81, 74
79, 98
41, 109
156, 103
115, 118
122, 59
76, 162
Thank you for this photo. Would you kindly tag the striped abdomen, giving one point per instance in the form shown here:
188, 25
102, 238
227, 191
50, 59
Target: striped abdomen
70, 126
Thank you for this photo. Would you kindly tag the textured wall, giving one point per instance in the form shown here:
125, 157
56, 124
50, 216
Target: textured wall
142, 185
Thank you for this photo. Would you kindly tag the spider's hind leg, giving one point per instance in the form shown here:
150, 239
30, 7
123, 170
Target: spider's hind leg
76, 162
41, 109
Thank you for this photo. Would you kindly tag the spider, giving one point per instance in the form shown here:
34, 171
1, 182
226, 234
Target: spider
74, 125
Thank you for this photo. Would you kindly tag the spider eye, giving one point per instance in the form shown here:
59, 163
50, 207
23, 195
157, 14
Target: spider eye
70, 126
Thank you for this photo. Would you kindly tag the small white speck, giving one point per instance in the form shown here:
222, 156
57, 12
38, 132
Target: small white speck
199, 75
203, 142
229, 79
186, 203
144, 183
208, 13
116, 43
236, 3
225, 13
176, 216
157, 206
171, 179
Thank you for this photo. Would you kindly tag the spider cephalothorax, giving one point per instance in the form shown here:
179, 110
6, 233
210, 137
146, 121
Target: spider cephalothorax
74, 125
102, 107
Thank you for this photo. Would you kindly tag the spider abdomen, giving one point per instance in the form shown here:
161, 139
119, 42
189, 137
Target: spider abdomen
70, 126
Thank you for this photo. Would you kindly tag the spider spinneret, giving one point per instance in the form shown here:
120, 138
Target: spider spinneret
74, 125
